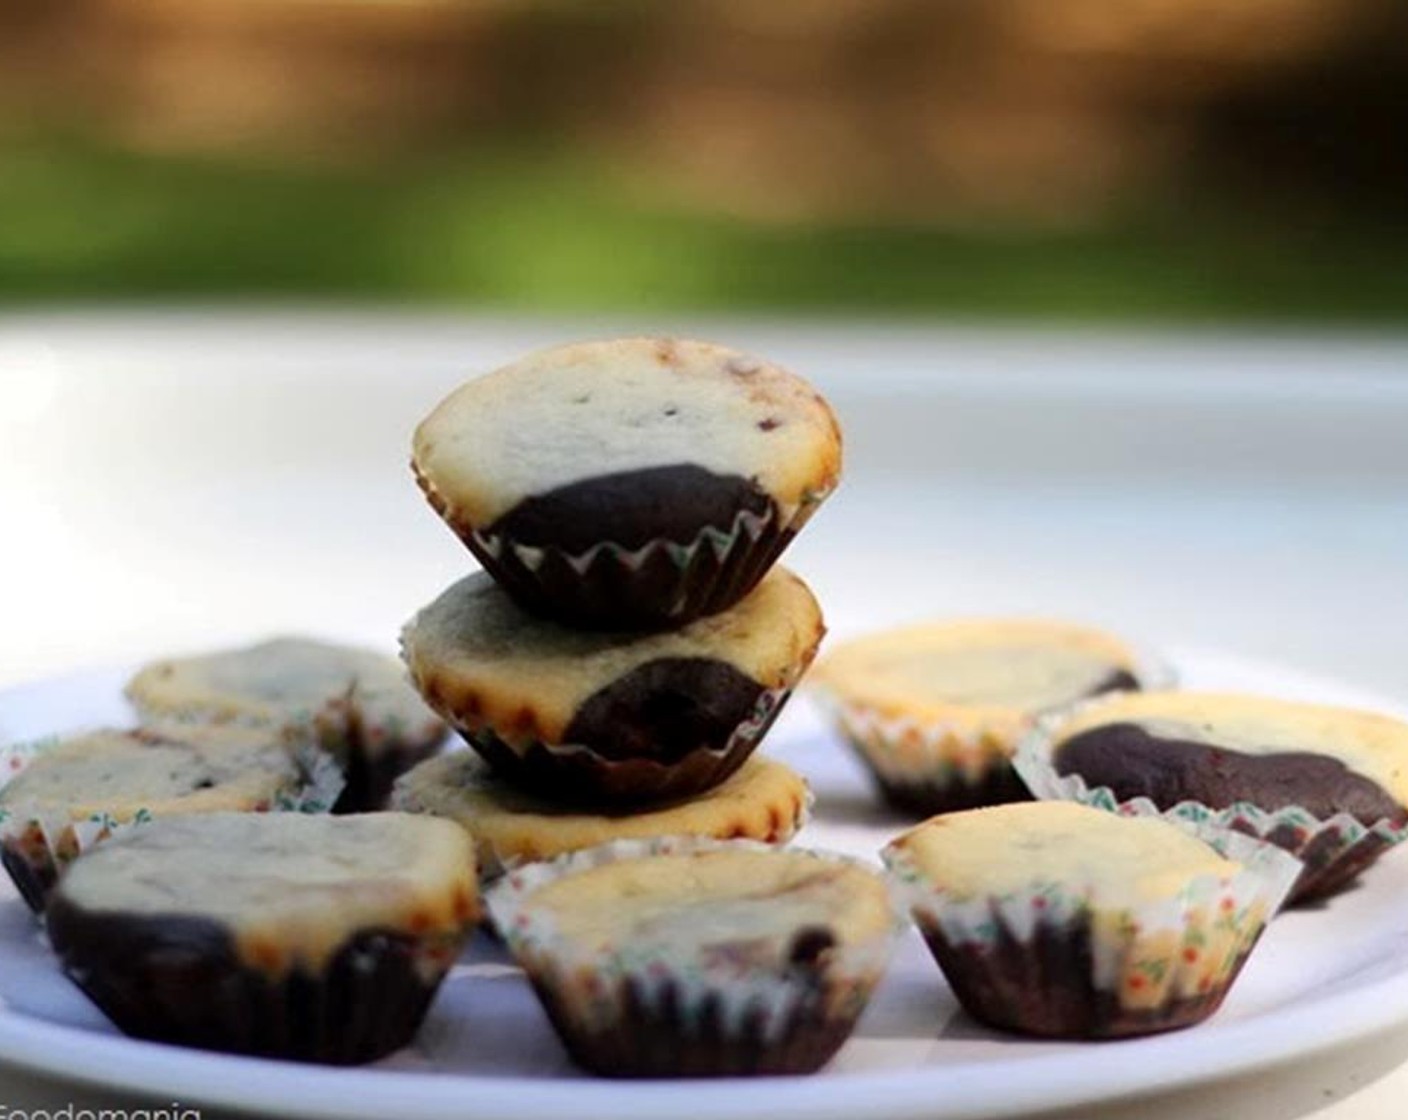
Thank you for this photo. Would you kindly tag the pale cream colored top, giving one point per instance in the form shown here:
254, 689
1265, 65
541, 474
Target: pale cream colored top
596, 408
483, 660
288, 682
288, 886
166, 770
972, 669
1374, 745
1109, 858
741, 907
762, 800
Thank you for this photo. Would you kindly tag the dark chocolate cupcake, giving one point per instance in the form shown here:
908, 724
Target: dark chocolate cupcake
584, 716
1059, 920
636, 483
355, 701
1329, 785
61, 796
688, 959
310, 938
935, 711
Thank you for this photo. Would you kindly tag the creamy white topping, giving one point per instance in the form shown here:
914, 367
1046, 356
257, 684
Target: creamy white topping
355, 697
742, 907
288, 886
170, 770
1014, 666
1010, 848
595, 408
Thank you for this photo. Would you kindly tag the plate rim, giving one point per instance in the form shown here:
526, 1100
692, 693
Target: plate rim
1213, 1052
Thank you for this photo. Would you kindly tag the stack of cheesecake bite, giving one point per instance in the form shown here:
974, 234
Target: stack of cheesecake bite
631, 639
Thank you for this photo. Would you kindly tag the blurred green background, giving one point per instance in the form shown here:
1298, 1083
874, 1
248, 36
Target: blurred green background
1090, 160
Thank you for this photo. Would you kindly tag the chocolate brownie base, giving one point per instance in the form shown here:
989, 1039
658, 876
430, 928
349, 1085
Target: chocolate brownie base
1043, 987
580, 774
656, 1038
369, 778
34, 880
1132, 762
656, 586
177, 979
919, 798
665, 709
632, 508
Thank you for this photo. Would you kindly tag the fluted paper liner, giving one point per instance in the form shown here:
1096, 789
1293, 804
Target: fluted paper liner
1053, 960
663, 584
630, 1011
925, 767
578, 773
1333, 850
37, 844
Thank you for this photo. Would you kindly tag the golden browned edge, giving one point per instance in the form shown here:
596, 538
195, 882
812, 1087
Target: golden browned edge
462, 705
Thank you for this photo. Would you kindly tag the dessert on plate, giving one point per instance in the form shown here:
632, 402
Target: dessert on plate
687, 959
355, 701
1330, 785
590, 716
1056, 919
310, 938
762, 800
935, 711
60, 796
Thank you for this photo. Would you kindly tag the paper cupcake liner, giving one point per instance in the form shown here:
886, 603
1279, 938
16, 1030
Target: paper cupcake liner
36, 845
662, 584
366, 1001
641, 1013
1050, 961
573, 772
1333, 850
928, 767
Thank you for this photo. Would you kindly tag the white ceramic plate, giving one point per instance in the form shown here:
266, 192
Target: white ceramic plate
1320, 977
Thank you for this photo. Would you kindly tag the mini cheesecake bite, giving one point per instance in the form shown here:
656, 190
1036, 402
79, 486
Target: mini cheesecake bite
763, 800
76, 790
310, 938
694, 960
629, 483
594, 717
1061, 920
935, 711
355, 701
1330, 785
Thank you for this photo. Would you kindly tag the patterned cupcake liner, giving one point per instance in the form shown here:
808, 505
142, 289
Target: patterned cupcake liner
661, 585
37, 844
928, 767
572, 772
1333, 850
180, 981
1053, 961
630, 1011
